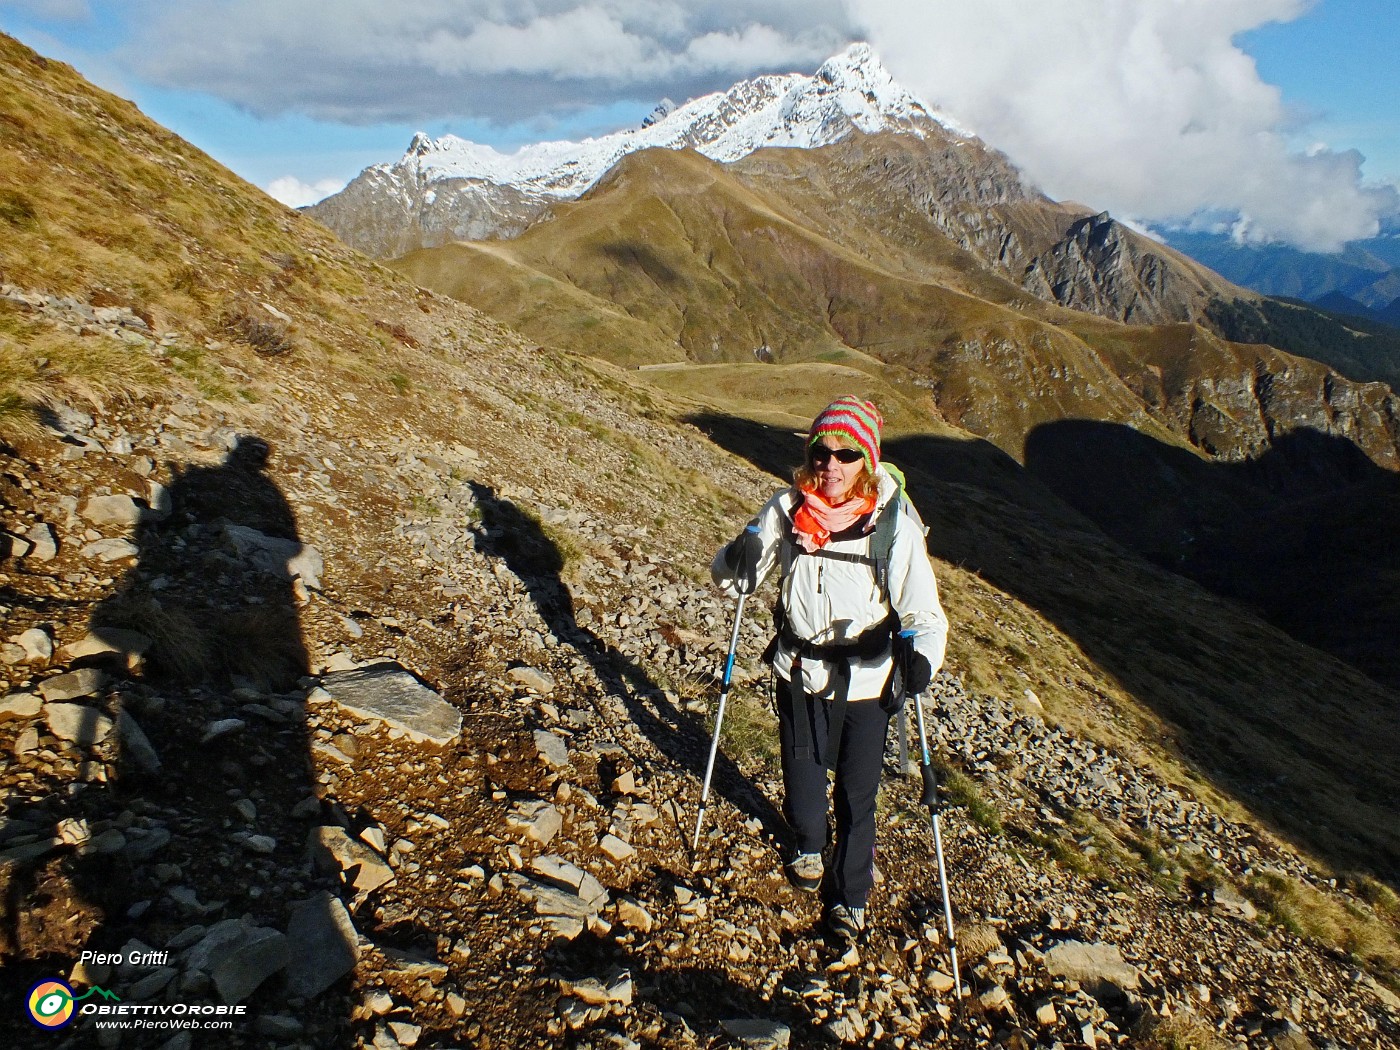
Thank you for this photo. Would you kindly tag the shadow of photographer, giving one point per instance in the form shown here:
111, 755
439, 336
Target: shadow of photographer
193, 778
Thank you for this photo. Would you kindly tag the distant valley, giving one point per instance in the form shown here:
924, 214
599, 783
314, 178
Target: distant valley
1362, 280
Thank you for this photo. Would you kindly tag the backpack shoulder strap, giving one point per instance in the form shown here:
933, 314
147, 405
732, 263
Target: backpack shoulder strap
882, 548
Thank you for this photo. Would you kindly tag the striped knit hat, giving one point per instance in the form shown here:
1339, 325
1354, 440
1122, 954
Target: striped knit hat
856, 420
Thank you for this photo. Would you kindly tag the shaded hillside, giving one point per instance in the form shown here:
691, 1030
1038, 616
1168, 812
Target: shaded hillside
1306, 533
358, 653
1191, 661
1358, 348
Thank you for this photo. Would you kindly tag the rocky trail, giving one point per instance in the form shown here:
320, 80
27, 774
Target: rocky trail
392, 734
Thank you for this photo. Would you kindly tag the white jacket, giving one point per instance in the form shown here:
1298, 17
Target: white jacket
832, 601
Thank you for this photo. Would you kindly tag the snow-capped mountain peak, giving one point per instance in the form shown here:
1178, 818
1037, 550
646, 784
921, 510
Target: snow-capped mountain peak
850, 90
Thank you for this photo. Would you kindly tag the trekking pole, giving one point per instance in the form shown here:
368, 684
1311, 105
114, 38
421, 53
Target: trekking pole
750, 537
930, 799
719, 721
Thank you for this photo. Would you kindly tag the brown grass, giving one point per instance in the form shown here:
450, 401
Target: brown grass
269, 336
1363, 931
1178, 1032
261, 644
40, 365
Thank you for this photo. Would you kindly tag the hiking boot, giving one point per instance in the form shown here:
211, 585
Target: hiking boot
845, 923
805, 871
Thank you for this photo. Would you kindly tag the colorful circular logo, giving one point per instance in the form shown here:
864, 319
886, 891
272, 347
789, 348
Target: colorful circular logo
51, 1004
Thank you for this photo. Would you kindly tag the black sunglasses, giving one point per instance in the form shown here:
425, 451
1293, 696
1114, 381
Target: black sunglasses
820, 454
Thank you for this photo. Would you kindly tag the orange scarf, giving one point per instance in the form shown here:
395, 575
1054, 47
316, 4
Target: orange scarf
816, 520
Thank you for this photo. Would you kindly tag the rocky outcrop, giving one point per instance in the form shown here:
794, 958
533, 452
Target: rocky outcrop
1102, 267
388, 211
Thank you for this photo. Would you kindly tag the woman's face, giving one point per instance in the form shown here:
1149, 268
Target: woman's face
835, 478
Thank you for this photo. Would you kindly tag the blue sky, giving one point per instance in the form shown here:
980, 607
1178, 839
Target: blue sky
1252, 113
1339, 68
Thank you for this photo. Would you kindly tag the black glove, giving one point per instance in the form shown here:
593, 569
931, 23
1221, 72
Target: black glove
919, 673
741, 559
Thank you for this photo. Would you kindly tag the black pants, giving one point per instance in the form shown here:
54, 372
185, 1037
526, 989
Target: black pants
851, 871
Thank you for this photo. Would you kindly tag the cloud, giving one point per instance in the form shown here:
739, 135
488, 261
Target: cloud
294, 193
1145, 107
366, 62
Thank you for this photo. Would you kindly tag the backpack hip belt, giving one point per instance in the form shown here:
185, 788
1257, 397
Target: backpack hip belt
870, 644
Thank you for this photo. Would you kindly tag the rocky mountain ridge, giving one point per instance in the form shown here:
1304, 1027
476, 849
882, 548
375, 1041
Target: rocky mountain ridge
449, 190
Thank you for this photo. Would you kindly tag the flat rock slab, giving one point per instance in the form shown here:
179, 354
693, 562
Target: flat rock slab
332, 849
136, 745
44, 546
534, 680
110, 550
393, 696
566, 914
1232, 902
73, 685
323, 945
37, 645
115, 643
558, 870
552, 750
78, 724
757, 1034
1098, 967
616, 848
536, 819
255, 957
287, 559
112, 510
20, 705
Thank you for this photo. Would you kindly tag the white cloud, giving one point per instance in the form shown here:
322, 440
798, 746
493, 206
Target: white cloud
1143, 107
365, 62
294, 193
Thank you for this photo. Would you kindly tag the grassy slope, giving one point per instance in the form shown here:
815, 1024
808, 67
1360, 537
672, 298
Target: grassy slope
682, 246
905, 186
95, 195
99, 203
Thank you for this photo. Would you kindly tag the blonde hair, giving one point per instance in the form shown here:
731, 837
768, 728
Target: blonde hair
866, 483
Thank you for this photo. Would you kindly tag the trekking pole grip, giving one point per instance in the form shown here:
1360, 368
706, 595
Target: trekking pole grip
930, 796
750, 550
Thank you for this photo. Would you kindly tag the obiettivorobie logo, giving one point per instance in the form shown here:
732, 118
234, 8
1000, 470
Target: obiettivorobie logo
52, 1002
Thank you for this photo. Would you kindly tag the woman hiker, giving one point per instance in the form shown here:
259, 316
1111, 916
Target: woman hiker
851, 580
